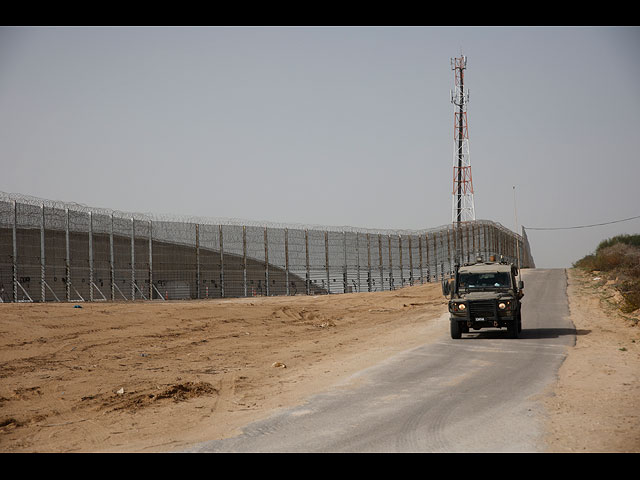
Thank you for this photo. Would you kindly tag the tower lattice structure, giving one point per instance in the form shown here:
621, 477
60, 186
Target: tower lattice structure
463, 209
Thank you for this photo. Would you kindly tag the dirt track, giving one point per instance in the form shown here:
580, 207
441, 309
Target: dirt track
157, 376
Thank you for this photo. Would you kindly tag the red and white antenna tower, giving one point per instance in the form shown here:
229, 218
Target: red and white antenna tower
463, 209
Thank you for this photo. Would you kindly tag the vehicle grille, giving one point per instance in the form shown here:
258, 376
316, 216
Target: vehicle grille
484, 308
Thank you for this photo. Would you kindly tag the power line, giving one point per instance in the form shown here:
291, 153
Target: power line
582, 226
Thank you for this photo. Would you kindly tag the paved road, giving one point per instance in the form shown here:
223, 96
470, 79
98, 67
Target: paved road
476, 394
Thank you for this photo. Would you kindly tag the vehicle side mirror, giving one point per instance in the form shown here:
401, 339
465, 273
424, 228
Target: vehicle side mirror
520, 285
445, 287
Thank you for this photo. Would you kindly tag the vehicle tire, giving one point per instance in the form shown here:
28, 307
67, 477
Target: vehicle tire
519, 322
512, 329
456, 330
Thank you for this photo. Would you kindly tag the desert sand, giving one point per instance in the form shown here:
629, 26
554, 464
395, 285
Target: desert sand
593, 406
160, 376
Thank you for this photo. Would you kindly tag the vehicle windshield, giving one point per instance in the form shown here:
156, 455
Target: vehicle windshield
488, 280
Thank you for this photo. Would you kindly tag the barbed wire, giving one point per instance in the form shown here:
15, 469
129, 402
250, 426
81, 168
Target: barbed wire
203, 220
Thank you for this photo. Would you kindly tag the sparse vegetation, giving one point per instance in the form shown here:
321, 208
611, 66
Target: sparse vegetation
619, 259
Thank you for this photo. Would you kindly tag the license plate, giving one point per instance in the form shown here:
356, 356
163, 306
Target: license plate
480, 319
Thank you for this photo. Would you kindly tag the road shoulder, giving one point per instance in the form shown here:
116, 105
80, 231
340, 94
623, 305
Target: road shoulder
592, 407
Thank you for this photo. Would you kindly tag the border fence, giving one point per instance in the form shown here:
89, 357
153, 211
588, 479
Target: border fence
58, 251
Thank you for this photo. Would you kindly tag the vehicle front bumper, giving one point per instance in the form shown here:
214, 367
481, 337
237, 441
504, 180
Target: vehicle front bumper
483, 313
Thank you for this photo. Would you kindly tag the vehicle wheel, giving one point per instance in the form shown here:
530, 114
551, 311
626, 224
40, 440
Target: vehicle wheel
512, 329
519, 323
456, 331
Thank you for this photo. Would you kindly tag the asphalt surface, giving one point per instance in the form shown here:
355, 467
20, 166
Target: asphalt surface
481, 393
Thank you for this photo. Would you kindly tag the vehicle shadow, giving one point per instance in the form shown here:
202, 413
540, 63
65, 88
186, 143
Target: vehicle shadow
528, 333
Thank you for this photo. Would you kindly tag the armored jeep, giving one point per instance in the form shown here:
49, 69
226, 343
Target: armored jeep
484, 295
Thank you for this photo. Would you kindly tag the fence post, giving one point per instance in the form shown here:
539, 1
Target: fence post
473, 242
306, 249
90, 257
150, 259
112, 273
504, 244
198, 261
465, 242
485, 238
391, 279
459, 238
492, 240
435, 259
244, 259
266, 261
457, 251
494, 235
461, 229
221, 261
369, 278
133, 259
286, 259
15, 251
358, 260
410, 262
42, 260
67, 262
435, 256
449, 249
426, 244
380, 262
401, 263
344, 262
442, 255
421, 259
326, 259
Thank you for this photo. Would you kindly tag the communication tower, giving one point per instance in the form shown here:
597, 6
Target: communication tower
463, 209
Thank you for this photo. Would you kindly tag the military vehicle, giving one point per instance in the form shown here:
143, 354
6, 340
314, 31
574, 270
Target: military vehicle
484, 295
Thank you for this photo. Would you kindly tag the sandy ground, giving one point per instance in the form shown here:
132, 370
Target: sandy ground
159, 376
595, 404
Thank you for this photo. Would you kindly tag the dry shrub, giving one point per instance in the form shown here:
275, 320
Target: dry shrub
620, 258
617, 256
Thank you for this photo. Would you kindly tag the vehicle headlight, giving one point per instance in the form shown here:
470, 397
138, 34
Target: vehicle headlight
502, 305
462, 306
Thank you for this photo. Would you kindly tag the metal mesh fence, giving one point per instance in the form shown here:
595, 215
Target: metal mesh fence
56, 251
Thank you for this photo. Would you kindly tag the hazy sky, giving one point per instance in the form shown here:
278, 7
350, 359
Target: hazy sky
329, 125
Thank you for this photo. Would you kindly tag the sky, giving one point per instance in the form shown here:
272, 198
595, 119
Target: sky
330, 125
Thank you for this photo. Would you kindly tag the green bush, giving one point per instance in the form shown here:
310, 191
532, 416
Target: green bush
624, 238
619, 257
619, 252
